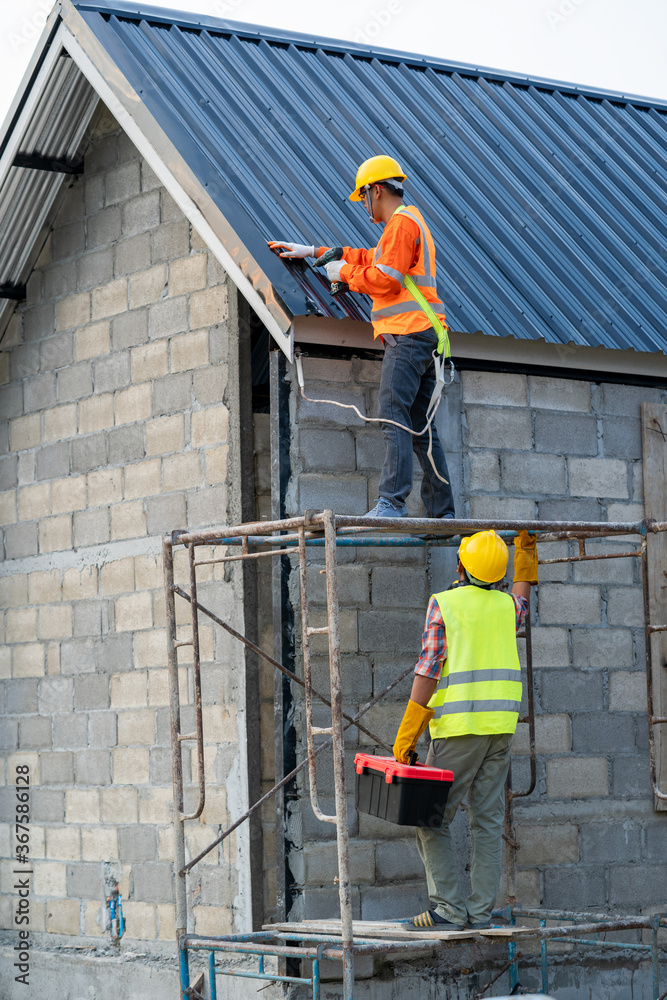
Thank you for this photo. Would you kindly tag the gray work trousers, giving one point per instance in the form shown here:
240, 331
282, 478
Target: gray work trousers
480, 765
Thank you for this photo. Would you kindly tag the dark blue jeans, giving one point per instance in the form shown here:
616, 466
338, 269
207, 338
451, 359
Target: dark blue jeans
406, 384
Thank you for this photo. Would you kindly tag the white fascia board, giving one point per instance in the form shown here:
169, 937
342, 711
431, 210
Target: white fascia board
31, 102
138, 136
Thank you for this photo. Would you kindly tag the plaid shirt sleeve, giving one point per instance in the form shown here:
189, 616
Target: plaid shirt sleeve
434, 638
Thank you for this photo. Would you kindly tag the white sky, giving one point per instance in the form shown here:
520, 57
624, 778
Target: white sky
610, 44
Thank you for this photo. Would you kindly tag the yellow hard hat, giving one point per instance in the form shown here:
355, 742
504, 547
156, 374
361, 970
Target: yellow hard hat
484, 556
378, 168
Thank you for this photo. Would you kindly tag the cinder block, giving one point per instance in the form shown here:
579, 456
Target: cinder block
92, 767
156, 804
21, 625
187, 274
407, 589
344, 494
122, 182
625, 606
119, 805
136, 727
60, 280
104, 227
39, 387
567, 691
171, 393
134, 612
179, 472
207, 506
56, 352
82, 805
494, 388
130, 329
70, 729
484, 471
99, 844
91, 527
44, 587
49, 879
631, 885
148, 286
8, 508
55, 622
102, 729
117, 577
55, 695
208, 307
501, 507
499, 428
24, 361
598, 477
141, 213
168, 318
38, 322
95, 413
20, 540
25, 432
627, 691
209, 426
14, 591
533, 474
75, 383
94, 186
128, 690
630, 777
609, 841
379, 630
130, 766
566, 433
143, 479
55, 533
581, 887
622, 437
555, 844
322, 863
128, 520
63, 843
126, 444
133, 404
189, 351
63, 916
112, 372
627, 399
153, 882
53, 461
34, 732
559, 394
170, 241
165, 513
78, 585
89, 617
602, 732
105, 486
8, 472
95, 269
77, 656
327, 450
216, 464
577, 777
56, 768
150, 361
570, 510
84, 881
59, 423
68, 494
73, 311
601, 647
109, 299
48, 806
568, 604
21, 696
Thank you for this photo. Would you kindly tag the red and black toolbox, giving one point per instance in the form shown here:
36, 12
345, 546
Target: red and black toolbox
406, 794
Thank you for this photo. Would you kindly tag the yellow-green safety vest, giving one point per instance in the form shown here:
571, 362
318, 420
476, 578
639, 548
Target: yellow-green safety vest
480, 688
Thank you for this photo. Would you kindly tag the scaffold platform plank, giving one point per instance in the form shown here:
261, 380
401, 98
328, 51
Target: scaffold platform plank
386, 930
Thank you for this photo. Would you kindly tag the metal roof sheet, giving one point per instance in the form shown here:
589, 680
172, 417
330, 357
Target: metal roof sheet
546, 202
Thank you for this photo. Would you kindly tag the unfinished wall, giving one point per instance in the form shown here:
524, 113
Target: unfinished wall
119, 424
526, 447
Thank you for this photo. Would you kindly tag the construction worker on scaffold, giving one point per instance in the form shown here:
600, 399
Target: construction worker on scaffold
467, 689
408, 377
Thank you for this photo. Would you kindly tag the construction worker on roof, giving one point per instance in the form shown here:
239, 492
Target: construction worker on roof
467, 689
409, 336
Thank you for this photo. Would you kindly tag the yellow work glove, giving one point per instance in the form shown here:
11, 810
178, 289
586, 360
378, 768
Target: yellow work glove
525, 558
413, 724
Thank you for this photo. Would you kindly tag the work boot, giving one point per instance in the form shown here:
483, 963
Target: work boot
385, 508
430, 920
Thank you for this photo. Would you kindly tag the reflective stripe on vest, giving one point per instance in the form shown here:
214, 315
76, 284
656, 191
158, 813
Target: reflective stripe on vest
480, 690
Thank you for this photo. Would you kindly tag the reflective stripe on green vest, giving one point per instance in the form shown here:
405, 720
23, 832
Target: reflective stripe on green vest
480, 690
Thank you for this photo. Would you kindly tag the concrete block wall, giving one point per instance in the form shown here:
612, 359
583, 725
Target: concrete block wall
520, 446
116, 429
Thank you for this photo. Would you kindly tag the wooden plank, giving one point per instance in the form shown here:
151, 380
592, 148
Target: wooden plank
654, 439
380, 930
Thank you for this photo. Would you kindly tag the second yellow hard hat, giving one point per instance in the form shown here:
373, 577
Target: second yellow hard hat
374, 170
484, 555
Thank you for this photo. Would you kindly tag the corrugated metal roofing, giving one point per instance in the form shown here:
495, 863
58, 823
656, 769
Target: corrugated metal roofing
547, 203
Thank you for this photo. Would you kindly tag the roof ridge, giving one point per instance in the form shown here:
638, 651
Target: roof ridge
125, 8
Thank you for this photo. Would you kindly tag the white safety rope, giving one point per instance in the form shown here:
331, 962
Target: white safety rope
433, 405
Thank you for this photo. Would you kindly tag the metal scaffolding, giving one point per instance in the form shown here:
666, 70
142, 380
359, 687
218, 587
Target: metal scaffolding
308, 940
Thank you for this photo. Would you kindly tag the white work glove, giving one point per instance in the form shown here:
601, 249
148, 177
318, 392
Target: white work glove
333, 269
294, 250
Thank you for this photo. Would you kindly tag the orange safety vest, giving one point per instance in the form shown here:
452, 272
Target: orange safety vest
398, 313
